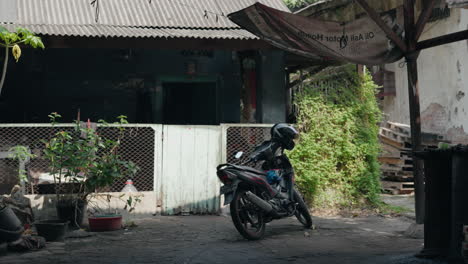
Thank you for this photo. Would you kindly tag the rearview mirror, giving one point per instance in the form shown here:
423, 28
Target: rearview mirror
239, 155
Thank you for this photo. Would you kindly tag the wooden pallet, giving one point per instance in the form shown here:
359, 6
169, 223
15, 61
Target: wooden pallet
398, 187
398, 178
428, 138
399, 137
399, 128
391, 160
398, 144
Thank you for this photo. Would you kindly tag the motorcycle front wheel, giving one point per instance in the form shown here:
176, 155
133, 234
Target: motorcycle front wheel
247, 217
302, 211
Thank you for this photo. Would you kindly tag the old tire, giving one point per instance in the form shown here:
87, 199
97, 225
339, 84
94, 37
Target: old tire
302, 211
244, 213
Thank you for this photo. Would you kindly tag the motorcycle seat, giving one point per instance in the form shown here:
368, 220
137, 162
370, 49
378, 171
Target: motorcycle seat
246, 168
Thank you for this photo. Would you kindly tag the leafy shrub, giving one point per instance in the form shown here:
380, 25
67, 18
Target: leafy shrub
336, 156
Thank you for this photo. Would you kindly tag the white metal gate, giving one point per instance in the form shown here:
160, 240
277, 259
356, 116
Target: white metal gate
189, 159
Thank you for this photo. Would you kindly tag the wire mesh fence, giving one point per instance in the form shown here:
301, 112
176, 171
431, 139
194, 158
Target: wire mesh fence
245, 139
137, 146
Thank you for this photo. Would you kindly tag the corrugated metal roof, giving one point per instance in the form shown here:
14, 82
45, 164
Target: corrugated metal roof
134, 32
136, 18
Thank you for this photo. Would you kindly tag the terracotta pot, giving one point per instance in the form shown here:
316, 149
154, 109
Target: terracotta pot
102, 223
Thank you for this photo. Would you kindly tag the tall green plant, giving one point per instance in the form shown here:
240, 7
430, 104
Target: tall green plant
85, 158
12, 40
336, 157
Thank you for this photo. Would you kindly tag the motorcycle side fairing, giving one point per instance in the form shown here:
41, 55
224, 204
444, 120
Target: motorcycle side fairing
253, 177
245, 175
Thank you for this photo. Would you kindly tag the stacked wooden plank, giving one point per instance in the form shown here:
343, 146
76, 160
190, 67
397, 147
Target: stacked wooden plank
395, 157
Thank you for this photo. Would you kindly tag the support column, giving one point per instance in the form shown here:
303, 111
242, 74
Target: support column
415, 112
415, 122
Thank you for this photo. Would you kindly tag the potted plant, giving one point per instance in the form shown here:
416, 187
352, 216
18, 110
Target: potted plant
87, 161
109, 219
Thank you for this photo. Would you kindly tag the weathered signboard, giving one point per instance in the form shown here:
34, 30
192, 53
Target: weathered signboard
358, 41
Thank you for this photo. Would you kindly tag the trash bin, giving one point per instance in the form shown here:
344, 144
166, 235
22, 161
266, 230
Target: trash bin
459, 199
446, 186
438, 185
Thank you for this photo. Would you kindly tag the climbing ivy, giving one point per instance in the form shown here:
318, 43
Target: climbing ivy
336, 156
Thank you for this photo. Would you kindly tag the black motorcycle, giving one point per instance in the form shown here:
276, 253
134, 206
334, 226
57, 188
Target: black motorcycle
257, 197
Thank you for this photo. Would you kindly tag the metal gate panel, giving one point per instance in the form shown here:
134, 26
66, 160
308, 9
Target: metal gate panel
190, 157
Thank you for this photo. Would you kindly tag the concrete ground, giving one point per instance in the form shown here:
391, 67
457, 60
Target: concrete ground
403, 201
213, 239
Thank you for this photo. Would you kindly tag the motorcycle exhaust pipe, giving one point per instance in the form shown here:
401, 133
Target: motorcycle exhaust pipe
265, 206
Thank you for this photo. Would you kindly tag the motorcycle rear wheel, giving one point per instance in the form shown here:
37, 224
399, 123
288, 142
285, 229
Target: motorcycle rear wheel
247, 218
302, 211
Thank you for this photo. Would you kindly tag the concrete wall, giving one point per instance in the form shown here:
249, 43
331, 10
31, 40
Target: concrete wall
443, 83
272, 90
44, 205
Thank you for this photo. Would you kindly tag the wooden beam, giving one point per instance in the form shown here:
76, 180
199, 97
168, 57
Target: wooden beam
415, 109
428, 6
378, 20
445, 39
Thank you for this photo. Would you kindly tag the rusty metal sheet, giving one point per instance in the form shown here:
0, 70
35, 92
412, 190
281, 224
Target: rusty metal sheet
360, 41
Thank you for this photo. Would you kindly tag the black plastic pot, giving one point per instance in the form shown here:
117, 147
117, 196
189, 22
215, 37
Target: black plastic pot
52, 230
72, 211
10, 226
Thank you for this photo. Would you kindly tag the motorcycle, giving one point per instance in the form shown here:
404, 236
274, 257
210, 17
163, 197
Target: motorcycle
257, 197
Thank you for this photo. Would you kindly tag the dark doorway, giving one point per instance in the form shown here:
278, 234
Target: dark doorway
190, 103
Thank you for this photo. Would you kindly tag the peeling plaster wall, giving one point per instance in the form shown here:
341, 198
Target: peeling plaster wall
443, 83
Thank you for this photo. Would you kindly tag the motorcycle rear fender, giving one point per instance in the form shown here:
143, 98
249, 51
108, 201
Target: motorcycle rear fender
229, 190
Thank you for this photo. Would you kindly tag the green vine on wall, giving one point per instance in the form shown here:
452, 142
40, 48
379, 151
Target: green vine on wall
336, 157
